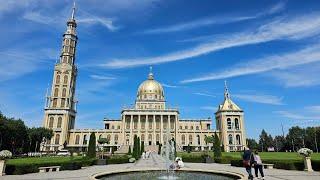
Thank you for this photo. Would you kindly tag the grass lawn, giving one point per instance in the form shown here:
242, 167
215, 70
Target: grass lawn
40, 160
264, 155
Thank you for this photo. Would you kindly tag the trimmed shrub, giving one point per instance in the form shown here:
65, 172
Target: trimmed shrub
286, 164
24, 168
236, 162
193, 158
117, 159
315, 165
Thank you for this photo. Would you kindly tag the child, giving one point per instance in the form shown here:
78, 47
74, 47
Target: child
258, 164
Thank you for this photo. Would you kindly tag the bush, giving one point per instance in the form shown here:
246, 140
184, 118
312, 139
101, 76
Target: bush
193, 158
31, 167
223, 159
286, 164
92, 146
117, 159
315, 165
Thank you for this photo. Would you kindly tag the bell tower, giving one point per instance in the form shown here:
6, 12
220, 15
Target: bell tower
60, 107
230, 123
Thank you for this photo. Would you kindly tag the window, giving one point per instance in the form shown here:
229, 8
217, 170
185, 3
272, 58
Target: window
57, 139
64, 92
230, 139
118, 127
142, 138
56, 92
229, 123
65, 79
135, 122
85, 139
236, 123
198, 139
59, 122
108, 137
186, 127
51, 120
191, 127
54, 104
116, 139
63, 101
158, 122
190, 139
150, 123
58, 79
112, 127
180, 127
143, 122
127, 122
238, 139
183, 139
197, 127
77, 139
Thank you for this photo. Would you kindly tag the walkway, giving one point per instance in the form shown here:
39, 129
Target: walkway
155, 162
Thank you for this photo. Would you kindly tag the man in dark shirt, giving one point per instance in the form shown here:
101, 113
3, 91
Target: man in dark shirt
247, 161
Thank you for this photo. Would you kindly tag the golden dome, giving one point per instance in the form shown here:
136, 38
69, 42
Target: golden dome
150, 90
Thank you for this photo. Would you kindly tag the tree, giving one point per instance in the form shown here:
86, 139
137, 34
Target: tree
135, 149
252, 144
103, 141
142, 148
92, 146
36, 136
129, 151
138, 148
279, 142
265, 141
189, 148
175, 147
217, 146
159, 148
295, 138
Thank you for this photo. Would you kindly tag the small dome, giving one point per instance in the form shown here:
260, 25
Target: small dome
150, 90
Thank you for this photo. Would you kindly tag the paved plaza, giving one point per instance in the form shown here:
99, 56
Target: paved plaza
156, 162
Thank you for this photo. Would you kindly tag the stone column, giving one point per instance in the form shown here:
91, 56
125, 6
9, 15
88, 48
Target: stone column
139, 126
2, 167
307, 164
131, 128
154, 130
161, 129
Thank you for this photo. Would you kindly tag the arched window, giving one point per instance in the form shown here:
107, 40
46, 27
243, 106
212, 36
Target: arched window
236, 123
116, 137
183, 139
59, 122
58, 79
77, 139
65, 79
158, 138
238, 139
127, 122
135, 122
108, 137
186, 127
191, 127
197, 127
190, 139
63, 102
142, 138
56, 92
150, 137
85, 139
118, 127
54, 104
112, 127
229, 123
51, 120
230, 139
143, 122
158, 123
56, 141
64, 92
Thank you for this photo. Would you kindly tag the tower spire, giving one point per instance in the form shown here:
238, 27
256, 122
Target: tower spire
73, 10
226, 91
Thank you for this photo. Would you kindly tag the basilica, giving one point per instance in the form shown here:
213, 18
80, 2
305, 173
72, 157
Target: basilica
150, 118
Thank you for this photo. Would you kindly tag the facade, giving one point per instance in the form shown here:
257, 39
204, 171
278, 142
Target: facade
150, 118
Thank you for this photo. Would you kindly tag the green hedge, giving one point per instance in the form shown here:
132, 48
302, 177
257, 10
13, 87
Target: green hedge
118, 159
31, 167
193, 158
284, 164
223, 160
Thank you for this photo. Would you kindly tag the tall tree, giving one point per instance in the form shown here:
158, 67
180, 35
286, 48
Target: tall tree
217, 146
252, 144
37, 135
295, 138
265, 141
92, 146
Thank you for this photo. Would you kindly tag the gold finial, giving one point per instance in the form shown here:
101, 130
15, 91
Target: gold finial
150, 73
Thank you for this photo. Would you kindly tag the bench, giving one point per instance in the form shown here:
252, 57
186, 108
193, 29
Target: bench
49, 169
268, 166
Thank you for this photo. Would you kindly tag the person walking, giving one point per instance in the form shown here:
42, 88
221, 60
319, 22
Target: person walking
247, 160
258, 164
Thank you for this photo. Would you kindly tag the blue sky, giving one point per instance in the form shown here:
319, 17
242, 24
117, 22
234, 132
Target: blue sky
268, 51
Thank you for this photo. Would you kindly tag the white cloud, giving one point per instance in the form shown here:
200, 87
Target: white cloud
15, 63
204, 94
295, 116
275, 62
106, 22
261, 98
169, 86
99, 77
281, 29
213, 20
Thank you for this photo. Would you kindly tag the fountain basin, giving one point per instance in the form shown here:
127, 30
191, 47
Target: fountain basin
185, 174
